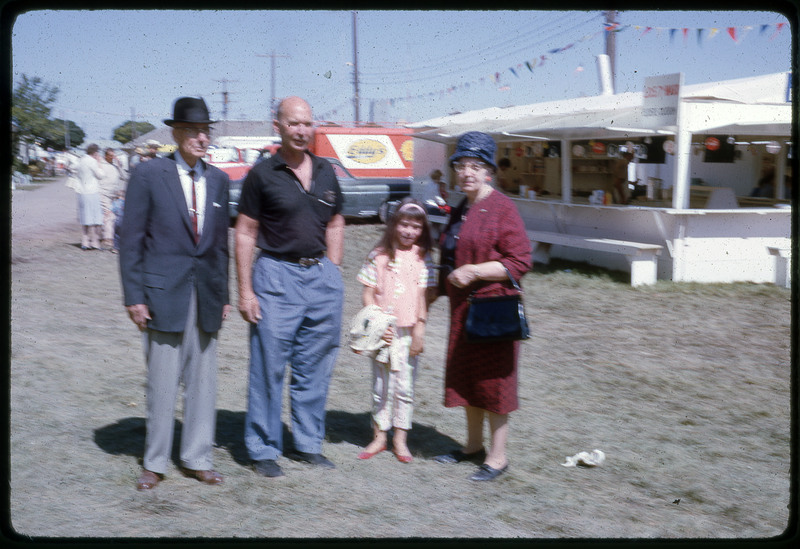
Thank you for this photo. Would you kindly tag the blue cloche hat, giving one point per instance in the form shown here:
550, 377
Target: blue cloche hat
475, 145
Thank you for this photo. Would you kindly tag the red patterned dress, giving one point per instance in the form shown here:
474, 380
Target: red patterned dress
484, 375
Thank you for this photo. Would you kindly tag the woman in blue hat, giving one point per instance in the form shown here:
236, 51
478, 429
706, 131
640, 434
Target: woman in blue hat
484, 237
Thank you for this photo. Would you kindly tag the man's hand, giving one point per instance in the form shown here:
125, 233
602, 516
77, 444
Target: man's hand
139, 314
249, 308
226, 312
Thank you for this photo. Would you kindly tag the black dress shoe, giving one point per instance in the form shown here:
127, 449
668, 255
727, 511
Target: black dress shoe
457, 456
267, 468
486, 472
312, 459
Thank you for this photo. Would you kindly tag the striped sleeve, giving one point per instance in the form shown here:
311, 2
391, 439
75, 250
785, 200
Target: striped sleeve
368, 275
427, 277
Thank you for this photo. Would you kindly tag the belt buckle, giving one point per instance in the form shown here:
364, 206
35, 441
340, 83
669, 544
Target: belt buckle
308, 261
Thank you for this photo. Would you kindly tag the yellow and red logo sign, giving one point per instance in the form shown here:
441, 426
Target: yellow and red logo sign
366, 151
407, 150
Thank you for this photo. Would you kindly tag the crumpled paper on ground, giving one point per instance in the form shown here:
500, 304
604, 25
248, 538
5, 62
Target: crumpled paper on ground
586, 459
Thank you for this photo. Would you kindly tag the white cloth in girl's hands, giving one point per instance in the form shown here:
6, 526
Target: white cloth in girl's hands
366, 335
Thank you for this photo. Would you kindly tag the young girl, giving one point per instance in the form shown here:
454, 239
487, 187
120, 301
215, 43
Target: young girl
396, 276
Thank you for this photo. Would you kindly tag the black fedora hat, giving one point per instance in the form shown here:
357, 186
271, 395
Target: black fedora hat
191, 110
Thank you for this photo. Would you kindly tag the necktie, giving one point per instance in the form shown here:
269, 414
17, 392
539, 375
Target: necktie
194, 207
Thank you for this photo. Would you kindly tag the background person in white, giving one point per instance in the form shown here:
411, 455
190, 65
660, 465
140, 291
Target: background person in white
90, 211
110, 186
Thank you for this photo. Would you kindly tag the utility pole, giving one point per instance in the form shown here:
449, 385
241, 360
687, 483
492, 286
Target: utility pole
66, 134
225, 99
356, 99
134, 133
272, 57
611, 44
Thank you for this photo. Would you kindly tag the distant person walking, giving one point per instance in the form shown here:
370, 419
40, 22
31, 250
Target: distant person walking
110, 186
90, 211
436, 189
484, 242
292, 294
174, 268
396, 276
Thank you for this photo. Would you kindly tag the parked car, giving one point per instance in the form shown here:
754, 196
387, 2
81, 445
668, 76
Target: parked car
368, 196
234, 193
362, 196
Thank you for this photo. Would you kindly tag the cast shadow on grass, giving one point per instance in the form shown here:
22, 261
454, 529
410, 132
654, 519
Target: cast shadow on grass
423, 440
126, 436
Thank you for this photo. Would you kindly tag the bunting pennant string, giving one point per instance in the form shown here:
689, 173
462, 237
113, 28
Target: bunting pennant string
737, 34
778, 29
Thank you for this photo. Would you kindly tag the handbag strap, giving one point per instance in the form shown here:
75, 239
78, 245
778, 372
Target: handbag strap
511, 278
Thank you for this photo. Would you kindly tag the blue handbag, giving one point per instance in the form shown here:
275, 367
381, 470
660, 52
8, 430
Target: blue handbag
497, 318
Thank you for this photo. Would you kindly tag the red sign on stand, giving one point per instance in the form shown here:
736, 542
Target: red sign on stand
712, 144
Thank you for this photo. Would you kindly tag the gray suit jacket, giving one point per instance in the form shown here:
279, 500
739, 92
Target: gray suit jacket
158, 257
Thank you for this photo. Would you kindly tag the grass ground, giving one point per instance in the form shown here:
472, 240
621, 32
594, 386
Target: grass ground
685, 387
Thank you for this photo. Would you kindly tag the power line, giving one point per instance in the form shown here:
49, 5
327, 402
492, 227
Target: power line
482, 62
515, 38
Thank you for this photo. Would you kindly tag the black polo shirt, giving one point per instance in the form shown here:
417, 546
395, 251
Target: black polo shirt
291, 221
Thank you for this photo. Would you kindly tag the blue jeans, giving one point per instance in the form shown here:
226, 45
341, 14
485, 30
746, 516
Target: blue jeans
301, 318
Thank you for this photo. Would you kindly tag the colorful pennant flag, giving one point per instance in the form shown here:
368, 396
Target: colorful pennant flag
737, 34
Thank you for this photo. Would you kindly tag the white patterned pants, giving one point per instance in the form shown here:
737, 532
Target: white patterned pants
393, 388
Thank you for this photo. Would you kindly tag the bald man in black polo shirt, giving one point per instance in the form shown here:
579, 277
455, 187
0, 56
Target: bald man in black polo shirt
293, 293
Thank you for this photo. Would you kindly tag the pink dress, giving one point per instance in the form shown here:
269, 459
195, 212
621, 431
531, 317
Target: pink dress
397, 282
484, 375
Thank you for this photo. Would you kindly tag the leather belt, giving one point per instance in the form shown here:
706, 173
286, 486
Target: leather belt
302, 261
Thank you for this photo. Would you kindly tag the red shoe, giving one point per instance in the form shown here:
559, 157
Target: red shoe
403, 459
367, 455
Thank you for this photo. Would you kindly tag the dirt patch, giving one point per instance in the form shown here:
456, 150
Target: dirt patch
685, 387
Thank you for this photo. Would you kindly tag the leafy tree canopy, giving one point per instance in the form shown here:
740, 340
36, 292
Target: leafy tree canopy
31, 104
55, 135
125, 132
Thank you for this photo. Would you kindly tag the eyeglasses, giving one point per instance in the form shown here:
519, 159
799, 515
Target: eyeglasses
474, 166
194, 132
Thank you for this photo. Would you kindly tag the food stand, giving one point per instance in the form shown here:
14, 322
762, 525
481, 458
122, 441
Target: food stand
699, 210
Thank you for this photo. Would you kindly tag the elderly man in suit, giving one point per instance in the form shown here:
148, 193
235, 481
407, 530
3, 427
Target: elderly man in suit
174, 270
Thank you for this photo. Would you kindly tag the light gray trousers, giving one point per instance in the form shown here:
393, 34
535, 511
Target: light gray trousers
190, 358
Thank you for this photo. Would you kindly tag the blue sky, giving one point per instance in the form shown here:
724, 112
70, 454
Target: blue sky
413, 65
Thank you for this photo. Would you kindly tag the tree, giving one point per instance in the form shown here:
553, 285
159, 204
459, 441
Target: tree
124, 133
55, 136
31, 106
